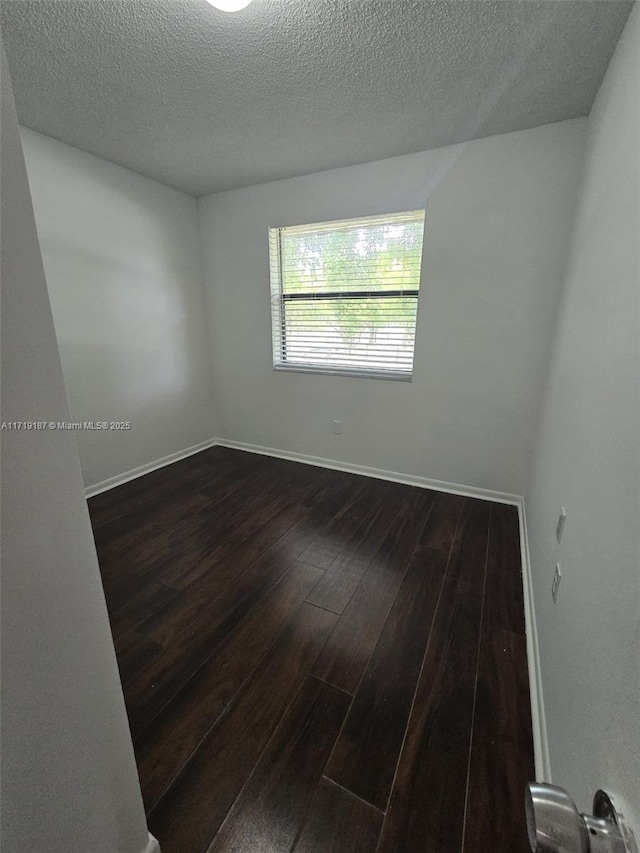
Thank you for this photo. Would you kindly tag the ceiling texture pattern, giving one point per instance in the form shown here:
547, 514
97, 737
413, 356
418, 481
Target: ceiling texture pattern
206, 101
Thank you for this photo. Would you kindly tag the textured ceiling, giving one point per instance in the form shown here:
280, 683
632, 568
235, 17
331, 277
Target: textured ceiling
205, 101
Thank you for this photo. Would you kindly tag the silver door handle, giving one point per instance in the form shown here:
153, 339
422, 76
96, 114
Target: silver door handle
555, 825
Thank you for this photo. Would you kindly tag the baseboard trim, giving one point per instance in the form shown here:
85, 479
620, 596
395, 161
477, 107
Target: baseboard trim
378, 473
152, 845
540, 740
127, 476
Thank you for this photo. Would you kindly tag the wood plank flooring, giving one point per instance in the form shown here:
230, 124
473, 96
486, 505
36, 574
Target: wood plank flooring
318, 662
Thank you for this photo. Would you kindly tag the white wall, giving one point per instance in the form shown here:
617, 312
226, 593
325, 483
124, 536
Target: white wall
497, 229
122, 258
588, 460
69, 779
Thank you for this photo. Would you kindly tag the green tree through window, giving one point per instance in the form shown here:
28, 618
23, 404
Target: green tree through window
345, 294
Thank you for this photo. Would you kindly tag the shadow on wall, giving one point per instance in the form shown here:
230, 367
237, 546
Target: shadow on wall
125, 283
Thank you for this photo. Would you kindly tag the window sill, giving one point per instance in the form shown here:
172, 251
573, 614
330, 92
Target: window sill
344, 371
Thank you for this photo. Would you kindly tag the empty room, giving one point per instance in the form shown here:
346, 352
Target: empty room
320, 426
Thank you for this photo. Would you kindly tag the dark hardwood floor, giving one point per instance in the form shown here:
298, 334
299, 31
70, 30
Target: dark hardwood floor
318, 662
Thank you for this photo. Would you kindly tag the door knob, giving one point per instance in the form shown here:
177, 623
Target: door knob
555, 825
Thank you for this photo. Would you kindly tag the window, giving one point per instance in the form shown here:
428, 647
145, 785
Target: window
344, 295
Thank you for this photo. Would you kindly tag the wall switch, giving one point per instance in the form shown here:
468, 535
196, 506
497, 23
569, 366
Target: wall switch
560, 526
337, 427
557, 577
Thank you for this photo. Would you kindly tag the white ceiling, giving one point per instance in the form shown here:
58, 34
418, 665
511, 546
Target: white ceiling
206, 101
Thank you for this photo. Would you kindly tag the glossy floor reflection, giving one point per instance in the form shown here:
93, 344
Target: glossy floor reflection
318, 661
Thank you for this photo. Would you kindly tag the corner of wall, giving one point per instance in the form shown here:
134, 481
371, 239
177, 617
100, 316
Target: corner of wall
216, 425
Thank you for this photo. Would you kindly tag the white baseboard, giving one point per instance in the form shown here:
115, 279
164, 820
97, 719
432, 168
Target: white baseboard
152, 845
378, 473
118, 480
540, 741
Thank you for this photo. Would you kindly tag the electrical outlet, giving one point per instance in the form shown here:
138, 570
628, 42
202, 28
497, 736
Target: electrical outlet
557, 577
337, 427
560, 526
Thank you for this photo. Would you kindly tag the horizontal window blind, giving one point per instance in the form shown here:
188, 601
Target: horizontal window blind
344, 294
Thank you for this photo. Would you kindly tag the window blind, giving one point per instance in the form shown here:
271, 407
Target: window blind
344, 294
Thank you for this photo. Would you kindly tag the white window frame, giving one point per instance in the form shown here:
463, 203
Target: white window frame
279, 298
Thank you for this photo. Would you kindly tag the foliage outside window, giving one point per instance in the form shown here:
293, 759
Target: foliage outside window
345, 295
